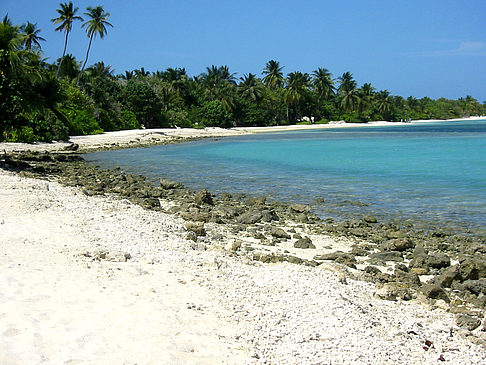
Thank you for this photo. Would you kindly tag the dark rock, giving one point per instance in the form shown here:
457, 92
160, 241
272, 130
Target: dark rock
169, 184
251, 217
373, 270
304, 243
475, 286
277, 232
378, 258
358, 251
370, 219
300, 208
472, 269
358, 232
294, 259
259, 201
339, 257
434, 291
438, 260
406, 277
203, 197
446, 277
468, 322
269, 215
398, 244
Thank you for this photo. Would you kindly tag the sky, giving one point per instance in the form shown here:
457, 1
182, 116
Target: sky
434, 48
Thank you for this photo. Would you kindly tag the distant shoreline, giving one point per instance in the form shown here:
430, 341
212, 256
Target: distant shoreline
147, 137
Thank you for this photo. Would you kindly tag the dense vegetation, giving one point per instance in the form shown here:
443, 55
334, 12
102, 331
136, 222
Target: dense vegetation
41, 101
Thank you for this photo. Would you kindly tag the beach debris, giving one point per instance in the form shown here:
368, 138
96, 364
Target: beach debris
113, 256
428, 345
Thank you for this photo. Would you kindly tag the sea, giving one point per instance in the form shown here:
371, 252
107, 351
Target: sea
430, 174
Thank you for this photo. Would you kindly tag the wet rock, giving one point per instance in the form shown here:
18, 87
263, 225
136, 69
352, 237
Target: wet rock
304, 243
299, 208
203, 197
468, 322
169, 184
433, 291
370, 219
258, 201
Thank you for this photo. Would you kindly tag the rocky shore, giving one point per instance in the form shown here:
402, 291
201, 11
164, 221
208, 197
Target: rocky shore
287, 286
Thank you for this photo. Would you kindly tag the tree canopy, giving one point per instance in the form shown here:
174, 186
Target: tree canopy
41, 101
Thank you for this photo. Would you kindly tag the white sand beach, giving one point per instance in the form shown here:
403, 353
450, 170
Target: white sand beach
99, 280
146, 137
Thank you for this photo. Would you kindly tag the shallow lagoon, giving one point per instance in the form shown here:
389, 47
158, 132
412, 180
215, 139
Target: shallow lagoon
429, 173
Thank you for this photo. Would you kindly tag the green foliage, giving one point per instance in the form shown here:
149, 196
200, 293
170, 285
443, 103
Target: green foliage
129, 120
21, 135
213, 114
42, 102
140, 99
81, 122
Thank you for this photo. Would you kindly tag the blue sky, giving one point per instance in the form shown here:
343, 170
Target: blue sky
434, 48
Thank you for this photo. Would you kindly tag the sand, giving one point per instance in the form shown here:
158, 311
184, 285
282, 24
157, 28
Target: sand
98, 280
146, 137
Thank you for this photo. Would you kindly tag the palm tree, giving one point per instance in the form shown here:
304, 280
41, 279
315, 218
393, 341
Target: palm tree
250, 88
70, 67
31, 36
10, 41
141, 72
297, 83
96, 25
383, 103
273, 74
323, 83
348, 92
67, 15
99, 69
366, 95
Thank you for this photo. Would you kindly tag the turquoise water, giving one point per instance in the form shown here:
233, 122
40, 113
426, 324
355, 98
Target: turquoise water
431, 172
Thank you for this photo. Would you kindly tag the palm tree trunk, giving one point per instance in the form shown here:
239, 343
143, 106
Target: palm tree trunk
63, 54
85, 60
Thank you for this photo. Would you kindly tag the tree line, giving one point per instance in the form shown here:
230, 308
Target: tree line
42, 101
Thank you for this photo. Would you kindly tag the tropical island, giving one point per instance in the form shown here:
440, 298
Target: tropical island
44, 101
101, 265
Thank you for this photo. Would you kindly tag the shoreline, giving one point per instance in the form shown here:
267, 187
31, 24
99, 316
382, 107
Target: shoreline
98, 279
241, 273
149, 137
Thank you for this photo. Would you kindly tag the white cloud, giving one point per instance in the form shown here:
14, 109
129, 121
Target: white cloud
462, 48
